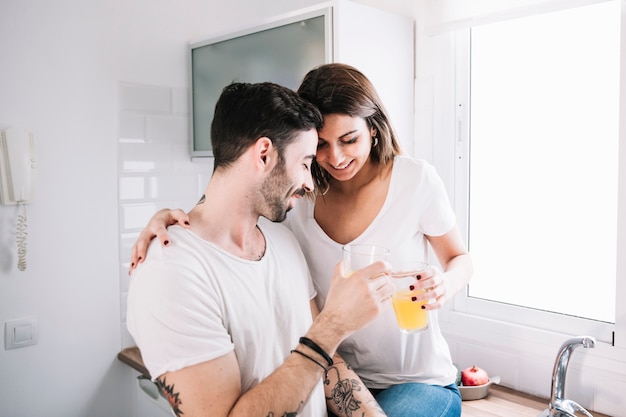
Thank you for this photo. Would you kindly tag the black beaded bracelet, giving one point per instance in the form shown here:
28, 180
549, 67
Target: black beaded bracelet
309, 343
311, 359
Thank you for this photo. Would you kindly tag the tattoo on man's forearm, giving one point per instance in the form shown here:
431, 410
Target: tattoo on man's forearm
342, 395
202, 199
289, 414
376, 407
170, 395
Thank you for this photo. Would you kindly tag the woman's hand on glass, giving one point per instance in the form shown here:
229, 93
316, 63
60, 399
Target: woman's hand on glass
433, 281
156, 227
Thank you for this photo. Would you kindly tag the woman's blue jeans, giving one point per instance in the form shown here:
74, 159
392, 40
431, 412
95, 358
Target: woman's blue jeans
413, 399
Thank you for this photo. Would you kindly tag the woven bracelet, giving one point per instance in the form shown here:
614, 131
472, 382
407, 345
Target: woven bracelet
309, 343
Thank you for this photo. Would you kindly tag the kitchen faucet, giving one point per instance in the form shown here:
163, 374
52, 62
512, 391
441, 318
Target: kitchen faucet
559, 406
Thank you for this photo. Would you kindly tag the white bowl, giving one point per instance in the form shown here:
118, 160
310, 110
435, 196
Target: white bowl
477, 392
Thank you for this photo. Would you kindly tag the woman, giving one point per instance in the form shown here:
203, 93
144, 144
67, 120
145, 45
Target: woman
368, 192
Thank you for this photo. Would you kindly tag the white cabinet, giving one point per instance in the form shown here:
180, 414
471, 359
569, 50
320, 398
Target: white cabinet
283, 49
381, 45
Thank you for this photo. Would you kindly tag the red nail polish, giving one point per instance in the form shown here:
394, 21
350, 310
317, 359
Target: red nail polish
423, 307
411, 287
167, 242
419, 277
415, 299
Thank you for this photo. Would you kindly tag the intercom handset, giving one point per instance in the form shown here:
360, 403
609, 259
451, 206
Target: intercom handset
17, 179
17, 166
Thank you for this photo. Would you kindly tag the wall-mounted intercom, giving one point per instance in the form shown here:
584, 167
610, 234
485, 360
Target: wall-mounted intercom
17, 166
17, 179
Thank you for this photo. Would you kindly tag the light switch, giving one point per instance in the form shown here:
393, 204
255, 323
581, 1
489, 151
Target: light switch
20, 333
23, 334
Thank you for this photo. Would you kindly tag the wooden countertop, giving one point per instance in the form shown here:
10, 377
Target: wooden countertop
501, 401
131, 356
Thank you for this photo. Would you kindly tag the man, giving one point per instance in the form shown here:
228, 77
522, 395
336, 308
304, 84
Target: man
225, 317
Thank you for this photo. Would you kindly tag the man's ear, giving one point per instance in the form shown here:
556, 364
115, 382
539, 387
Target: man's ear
265, 152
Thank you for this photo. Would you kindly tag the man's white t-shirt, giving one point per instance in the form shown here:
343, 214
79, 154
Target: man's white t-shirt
416, 205
192, 302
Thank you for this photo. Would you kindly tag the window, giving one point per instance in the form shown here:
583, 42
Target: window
542, 168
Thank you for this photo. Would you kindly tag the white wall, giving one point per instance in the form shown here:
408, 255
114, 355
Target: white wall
57, 78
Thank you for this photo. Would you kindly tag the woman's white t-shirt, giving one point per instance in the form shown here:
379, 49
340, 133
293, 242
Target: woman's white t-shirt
416, 205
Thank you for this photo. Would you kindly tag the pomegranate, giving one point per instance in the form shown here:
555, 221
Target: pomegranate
473, 376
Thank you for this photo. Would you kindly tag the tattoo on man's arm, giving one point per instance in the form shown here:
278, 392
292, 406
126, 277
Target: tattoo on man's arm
342, 394
376, 407
293, 414
170, 394
173, 398
202, 199
289, 414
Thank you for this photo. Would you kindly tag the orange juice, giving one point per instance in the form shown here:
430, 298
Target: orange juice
409, 314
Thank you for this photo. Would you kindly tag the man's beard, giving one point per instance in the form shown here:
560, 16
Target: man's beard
276, 201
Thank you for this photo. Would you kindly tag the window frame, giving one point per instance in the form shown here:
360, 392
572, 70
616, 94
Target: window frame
475, 312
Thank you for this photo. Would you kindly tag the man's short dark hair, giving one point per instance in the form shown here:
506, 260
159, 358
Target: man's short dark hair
246, 112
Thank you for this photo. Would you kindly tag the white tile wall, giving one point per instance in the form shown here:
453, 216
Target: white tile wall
610, 399
594, 387
155, 168
145, 99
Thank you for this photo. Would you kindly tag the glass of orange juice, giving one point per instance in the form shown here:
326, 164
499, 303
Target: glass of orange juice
409, 314
358, 256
